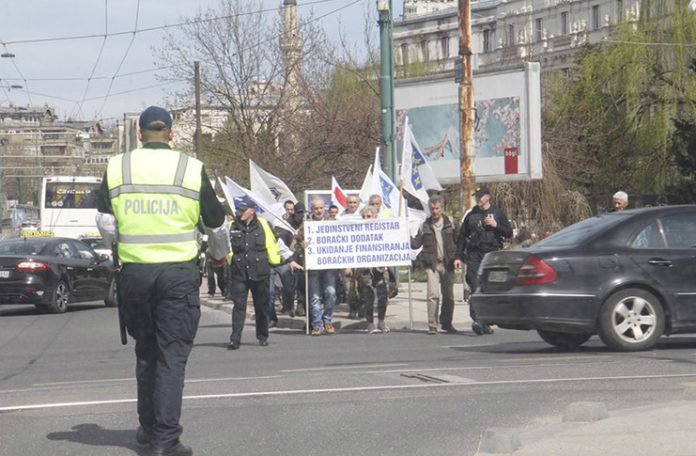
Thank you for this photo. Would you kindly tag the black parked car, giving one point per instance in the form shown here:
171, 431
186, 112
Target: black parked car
628, 276
54, 272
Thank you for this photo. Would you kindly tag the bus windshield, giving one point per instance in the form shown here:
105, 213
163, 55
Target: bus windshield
71, 195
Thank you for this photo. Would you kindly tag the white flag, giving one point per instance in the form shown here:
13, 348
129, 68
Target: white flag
231, 192
366, 188
268, 186
271, 212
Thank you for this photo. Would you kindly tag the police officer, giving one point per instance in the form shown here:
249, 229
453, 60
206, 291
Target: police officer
254, 250
483, 231
150, 203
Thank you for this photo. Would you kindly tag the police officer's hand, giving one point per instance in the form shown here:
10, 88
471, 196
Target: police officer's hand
295, 266
457, 264
490, 221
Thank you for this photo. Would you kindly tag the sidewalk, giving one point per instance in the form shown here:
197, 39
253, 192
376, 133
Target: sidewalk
666, 429
398, 318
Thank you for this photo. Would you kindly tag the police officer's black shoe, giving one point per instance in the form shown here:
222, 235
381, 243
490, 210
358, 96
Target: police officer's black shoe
263, 342
450, 329
487, 329
177, 450
234, 345
477, 328
143, 436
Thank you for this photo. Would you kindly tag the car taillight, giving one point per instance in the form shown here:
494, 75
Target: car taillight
535, 271
33, 266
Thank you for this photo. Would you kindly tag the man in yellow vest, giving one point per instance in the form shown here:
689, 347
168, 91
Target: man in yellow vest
254, 250
150, 203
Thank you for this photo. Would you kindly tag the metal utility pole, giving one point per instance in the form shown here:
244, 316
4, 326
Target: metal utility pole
197, 134
466, 105
386, 89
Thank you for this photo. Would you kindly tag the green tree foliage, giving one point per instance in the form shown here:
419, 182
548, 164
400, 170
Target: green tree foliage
611, 122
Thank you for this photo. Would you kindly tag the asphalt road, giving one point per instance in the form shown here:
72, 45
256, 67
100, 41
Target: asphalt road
67, 388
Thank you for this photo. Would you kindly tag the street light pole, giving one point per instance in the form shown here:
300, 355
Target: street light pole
466, 105
384, 7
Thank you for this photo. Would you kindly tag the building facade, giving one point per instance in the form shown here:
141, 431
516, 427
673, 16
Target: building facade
34, 144
504, 32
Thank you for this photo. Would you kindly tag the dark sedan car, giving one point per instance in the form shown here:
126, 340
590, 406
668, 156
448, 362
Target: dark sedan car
628, 276
54, 272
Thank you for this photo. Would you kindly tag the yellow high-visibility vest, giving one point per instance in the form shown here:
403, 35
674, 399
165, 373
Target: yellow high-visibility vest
270, 241
155, 198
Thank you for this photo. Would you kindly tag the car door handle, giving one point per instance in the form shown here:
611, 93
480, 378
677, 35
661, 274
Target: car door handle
660, 262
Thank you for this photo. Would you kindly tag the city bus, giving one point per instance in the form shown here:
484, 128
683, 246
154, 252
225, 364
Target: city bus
69, 205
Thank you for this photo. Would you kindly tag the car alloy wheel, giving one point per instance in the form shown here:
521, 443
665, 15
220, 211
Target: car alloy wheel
61, 298
631, 320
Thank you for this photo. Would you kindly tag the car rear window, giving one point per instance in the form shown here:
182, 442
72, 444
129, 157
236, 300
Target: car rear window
28, 247
581, 231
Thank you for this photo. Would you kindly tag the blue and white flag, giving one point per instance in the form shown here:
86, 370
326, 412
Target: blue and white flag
416, 174
383, 186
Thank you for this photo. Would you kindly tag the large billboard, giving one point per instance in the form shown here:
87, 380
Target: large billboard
507, 137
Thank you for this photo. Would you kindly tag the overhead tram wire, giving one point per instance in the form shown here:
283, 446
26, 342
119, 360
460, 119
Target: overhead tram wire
78, 109
106, 35
151, 70
125, 55
155, 28
21, 75
270, 40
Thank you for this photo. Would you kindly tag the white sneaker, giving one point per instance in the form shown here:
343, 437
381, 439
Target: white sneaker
382, 326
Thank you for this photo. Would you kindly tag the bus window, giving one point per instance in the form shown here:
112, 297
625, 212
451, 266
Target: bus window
69, 195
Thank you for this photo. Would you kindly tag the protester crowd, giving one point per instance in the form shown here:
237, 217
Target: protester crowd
267, 259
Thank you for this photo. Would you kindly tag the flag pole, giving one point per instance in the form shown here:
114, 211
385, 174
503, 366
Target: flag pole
306, 299
410, 303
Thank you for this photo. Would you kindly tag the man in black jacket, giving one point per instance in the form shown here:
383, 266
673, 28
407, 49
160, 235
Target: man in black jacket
483, 231
437, 236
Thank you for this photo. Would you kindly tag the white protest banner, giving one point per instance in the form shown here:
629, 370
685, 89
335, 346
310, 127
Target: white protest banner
365, 243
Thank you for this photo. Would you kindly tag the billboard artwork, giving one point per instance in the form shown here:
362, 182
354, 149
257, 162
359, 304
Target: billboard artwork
507, 124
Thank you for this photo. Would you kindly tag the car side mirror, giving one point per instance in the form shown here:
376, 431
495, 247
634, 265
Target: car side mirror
103, 257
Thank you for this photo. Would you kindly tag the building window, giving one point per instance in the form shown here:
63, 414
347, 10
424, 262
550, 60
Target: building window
424, 50
619, 11
564, 23
595, 17
538, 30
444, 47
404, 54
511, 35
487, 41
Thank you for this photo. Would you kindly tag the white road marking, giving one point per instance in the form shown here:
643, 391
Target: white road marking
86, 382
348, 366
15, 408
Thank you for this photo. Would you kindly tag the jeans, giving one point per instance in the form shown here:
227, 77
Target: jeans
287, 291
322, 290
212, 273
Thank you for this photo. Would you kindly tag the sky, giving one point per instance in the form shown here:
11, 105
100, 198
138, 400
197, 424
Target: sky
100, 72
